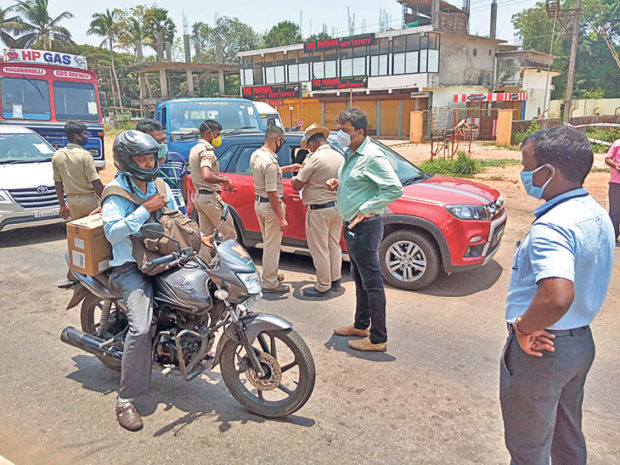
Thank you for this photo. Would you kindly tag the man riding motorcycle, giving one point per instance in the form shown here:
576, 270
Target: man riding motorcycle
135, 156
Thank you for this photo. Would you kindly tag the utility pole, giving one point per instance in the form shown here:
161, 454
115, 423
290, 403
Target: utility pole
570, 78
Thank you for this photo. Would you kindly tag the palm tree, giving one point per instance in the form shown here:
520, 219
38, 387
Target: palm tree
106, 26
41, 29
8, 23
133, 36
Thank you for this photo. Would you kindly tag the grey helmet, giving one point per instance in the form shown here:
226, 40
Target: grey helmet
127, 145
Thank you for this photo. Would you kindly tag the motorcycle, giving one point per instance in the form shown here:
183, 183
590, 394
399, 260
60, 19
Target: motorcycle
265, 364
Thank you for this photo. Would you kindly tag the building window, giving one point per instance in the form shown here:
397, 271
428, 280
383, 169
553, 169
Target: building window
247, 77
270, 75
412, 62
399, 45
304, 67
292, 66
258, 71
318, 66
423, 61
379, 58
433, 61
346, 62
279, 67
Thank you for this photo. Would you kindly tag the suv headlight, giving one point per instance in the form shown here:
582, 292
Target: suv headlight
469, 212
251, 281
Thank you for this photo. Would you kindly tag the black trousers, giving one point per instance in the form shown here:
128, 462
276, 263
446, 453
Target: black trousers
614, 206
363, 245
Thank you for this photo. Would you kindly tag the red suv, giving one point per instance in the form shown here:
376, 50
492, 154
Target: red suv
439, 223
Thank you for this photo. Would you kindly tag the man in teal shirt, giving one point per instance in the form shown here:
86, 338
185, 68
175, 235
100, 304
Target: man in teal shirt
366, 184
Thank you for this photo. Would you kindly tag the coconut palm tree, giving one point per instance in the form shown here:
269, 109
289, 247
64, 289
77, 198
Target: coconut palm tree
41, 29
133, 36
8, 23
106, 26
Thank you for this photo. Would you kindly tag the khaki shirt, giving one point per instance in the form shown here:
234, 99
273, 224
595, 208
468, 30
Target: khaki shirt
203, 154
319, 166
74, 167
267, 173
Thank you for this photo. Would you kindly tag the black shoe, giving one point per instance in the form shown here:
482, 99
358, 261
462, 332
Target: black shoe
314, 292
336, 286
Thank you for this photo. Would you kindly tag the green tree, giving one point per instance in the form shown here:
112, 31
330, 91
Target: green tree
133, 33
222, 42
159, 28
596, 73
317, 37
41, 30
105, 25
8, 23
283, 33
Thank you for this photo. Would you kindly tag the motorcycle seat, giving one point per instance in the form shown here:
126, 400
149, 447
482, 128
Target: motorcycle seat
104, 279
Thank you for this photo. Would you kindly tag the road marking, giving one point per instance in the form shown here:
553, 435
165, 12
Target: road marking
4, 461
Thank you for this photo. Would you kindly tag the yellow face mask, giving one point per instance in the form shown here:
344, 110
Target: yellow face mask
216, 142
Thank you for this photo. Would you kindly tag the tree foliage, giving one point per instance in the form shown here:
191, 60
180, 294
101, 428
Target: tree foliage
39, 28
317, 37
9, 23
223, 41
596, 73
283, 33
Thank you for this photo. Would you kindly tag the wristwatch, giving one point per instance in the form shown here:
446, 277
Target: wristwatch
515, 325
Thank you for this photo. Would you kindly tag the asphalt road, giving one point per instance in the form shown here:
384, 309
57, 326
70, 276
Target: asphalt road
431, 399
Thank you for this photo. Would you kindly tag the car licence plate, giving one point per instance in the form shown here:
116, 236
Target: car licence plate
47, 213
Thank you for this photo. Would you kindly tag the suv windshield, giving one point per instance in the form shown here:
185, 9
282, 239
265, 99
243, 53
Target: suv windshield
406, 171
186, 117
24, 148
24, 98
75, 101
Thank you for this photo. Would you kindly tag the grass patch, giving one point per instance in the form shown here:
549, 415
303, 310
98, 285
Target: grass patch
512, 148
464, 165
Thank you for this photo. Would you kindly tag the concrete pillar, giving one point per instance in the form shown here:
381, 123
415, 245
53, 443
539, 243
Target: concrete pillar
493, 26
168, 52
220, 78
190, 83
400, 118
378, 117
435, 14
163, 80
504, 127
416, 127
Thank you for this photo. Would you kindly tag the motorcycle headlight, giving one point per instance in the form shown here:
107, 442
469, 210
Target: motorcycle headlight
251, 281
468, 212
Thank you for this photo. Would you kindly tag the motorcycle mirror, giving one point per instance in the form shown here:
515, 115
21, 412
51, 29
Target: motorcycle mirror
225, 212
152, 230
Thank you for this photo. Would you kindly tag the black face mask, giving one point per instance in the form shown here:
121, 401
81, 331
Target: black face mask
278, 147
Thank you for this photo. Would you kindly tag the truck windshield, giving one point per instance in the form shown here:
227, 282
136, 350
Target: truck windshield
24, 98
186, 117
24, 148
75, 101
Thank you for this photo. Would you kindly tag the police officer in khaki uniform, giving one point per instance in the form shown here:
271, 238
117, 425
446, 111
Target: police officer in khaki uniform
205, 169
75, 174
269, 207
323, 225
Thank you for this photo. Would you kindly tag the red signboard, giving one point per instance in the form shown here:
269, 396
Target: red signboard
343, 42
491, 97
357, 82
272, 91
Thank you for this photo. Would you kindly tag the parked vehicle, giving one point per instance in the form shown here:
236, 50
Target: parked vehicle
43, 90
269, 116
265, 364
439, 224
27, 193
181, 118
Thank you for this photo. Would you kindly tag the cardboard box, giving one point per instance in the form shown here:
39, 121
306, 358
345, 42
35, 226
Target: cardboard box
89, 251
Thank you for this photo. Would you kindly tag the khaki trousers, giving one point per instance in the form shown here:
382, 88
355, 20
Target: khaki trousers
272, 239
81, 205
323, 231
209, 207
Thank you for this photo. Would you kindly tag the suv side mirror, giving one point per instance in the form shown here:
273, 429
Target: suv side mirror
152, 230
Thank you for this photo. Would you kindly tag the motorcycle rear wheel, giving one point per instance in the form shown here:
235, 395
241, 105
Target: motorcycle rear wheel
274, 401
90, 317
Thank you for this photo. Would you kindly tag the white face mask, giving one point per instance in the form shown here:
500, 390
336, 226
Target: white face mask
343, 139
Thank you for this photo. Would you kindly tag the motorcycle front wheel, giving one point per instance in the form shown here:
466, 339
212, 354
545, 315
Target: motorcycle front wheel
288, 379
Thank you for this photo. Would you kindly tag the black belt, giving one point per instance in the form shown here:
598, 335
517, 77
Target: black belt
322, 205
261, 199
557, 332
207, 191
347, 223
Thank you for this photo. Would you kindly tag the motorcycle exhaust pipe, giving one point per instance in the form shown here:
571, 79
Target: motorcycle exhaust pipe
88, 342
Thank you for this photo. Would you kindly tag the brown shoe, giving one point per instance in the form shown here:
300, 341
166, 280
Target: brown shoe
128, 417
367, 346
352, 331
280, 289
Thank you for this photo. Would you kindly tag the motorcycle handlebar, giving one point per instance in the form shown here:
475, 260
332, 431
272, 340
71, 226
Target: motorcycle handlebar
185, 252
160, 260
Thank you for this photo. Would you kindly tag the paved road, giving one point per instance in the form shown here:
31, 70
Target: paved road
432, 399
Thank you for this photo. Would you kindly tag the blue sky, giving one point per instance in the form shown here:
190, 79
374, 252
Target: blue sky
261, 18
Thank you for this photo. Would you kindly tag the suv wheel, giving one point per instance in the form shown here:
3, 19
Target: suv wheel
409, 260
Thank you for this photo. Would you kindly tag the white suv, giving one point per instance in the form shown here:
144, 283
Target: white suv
27, 193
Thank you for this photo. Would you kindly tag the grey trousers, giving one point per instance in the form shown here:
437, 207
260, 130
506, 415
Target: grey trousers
137, 294
541, 400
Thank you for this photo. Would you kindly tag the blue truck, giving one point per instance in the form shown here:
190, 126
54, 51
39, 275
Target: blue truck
181, 118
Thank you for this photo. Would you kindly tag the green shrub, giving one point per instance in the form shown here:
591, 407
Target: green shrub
462, 165
602, 133
519, 137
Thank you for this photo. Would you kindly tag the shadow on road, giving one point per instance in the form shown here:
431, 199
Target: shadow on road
31, 236
205, 396
465, 283
340, 344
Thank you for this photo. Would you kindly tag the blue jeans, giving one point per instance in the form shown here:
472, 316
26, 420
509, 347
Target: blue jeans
363, 244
